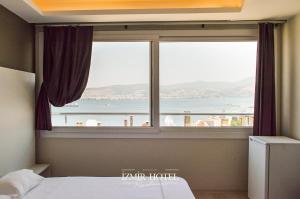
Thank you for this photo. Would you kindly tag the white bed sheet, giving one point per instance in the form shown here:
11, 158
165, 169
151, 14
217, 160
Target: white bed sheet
110, 188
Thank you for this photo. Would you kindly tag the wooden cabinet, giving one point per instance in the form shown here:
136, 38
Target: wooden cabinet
274, 168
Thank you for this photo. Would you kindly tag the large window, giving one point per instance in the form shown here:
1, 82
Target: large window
166, 83
207, 84
118, 88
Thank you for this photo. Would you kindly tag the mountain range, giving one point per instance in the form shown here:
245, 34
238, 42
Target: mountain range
197, 89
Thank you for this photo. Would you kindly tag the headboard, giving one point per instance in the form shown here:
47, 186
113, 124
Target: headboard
17, 137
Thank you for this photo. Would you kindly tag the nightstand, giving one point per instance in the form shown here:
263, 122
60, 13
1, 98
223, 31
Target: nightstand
42, 169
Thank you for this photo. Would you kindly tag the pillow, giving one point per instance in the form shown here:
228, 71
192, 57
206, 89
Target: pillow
5, 197
18, 183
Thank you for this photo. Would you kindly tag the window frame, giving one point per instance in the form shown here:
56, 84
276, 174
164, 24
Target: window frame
153, 83
206, 39
155, 131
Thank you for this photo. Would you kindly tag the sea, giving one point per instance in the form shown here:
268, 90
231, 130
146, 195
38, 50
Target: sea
91, 112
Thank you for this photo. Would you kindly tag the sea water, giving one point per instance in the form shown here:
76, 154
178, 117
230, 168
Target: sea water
92, 109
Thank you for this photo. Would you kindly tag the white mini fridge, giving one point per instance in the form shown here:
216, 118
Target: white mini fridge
274, 168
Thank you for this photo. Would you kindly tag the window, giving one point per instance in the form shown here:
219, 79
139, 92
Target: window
165, 82
118, 90
207, 84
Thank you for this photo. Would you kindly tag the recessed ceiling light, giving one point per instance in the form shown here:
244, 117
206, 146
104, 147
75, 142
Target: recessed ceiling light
106, 5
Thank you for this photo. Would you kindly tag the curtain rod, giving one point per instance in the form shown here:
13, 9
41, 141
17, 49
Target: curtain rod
224, 22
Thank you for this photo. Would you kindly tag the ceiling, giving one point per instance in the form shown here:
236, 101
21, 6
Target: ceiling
54, 11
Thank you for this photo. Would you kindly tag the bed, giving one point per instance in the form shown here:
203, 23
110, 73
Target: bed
110, 188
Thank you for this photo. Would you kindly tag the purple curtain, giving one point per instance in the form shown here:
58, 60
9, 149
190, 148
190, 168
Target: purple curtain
264, 105
67, 57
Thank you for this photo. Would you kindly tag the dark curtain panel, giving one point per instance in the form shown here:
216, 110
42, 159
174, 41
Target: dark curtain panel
264, 106
67, 57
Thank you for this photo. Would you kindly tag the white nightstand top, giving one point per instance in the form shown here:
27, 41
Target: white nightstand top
274, 140
39, 168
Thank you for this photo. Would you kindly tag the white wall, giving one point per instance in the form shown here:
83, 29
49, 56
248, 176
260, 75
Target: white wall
17, 137
290, 99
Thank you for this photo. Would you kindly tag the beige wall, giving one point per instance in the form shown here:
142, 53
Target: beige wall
16, 42
290, 102
206, 164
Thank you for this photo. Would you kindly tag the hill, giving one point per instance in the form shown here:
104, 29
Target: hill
198, 89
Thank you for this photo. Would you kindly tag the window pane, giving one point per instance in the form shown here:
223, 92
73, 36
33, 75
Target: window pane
207, 83
118, 89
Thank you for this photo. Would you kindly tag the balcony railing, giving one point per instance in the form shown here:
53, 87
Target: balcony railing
143, 119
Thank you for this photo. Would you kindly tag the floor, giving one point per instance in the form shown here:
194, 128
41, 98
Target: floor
220, 195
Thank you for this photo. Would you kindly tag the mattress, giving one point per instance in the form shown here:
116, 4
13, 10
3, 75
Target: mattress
110, 188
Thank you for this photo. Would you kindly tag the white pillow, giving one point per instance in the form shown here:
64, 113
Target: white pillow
18, 183
5, 197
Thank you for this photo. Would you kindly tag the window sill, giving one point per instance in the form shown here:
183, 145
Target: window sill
151, 133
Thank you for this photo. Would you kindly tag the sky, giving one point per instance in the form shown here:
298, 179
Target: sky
117, 63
